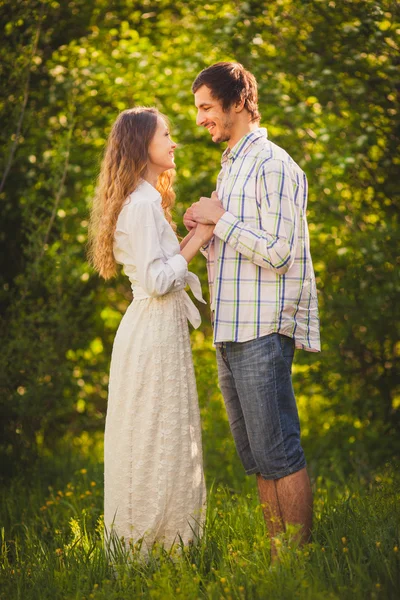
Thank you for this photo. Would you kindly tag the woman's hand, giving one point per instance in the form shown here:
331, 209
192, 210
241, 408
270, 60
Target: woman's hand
204, 232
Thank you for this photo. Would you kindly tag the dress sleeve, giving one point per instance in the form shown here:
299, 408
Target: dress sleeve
156, 274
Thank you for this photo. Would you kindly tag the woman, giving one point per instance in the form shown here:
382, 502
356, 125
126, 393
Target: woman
153, 471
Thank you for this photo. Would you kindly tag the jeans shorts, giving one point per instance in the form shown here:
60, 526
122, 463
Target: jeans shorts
256, 382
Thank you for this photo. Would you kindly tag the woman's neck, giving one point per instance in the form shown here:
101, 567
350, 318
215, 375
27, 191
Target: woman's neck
151, 177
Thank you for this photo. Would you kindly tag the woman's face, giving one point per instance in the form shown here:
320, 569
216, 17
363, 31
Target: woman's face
161, 149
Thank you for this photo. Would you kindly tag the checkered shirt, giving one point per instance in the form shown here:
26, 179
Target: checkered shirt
259, 264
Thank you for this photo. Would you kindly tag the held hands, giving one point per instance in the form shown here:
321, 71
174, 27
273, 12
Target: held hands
188, 219
204, 232
206, 211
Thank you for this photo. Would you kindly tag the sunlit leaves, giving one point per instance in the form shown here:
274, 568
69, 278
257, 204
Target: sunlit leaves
326, 74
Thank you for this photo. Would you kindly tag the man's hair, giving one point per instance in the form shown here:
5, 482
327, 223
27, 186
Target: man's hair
230, 83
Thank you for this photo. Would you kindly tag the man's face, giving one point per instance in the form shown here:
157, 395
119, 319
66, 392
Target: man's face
210, 115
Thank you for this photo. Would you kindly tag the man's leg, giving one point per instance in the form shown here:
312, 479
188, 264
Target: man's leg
271, 510
261, 370
296, 501
234, 411
287, 501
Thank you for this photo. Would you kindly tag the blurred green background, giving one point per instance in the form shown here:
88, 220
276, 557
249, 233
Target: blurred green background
328, 85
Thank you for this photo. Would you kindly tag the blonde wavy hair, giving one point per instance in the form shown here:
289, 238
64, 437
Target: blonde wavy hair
123, 166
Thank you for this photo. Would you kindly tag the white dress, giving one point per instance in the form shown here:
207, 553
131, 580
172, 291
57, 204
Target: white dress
153, 465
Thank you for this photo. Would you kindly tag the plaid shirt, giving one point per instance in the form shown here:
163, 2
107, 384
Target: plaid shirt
259, 264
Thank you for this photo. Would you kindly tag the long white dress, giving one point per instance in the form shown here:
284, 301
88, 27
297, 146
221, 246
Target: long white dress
153, 465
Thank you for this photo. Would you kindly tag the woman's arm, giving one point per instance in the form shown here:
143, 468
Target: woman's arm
202, 234
155, 274
187, 238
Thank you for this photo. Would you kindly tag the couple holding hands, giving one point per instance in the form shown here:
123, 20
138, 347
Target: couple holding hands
253, 232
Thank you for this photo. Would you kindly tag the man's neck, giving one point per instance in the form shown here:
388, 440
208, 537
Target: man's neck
240, 131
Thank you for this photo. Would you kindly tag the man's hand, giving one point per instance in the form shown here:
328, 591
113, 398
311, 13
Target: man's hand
207, 210
188, 219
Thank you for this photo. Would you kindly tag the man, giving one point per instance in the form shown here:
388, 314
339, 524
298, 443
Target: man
262, 288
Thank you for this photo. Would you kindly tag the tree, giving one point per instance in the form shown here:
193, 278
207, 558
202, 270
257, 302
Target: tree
326, 73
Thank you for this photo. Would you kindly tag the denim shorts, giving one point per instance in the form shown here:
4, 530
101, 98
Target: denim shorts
256, 382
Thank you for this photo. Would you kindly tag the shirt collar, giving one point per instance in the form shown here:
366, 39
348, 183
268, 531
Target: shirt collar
150, 191
242, 146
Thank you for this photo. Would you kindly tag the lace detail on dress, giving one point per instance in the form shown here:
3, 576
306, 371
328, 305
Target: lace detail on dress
154, 481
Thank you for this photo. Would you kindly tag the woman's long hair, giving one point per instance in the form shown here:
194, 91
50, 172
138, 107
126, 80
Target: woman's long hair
124, 165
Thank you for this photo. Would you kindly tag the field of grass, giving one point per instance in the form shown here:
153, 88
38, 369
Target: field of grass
52, 545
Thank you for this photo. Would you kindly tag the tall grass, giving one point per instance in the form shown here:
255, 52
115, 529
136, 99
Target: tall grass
52, 545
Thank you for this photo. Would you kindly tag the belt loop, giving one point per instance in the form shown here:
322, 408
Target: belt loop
223, 349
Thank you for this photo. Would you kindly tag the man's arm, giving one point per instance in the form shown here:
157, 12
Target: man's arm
274, 246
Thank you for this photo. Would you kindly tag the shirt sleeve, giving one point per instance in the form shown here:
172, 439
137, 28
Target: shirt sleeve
274, 246
156, 274
205, 249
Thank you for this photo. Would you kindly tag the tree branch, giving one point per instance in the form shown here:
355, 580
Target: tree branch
24, 103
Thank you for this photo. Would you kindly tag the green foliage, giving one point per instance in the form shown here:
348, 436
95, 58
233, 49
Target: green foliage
326, 73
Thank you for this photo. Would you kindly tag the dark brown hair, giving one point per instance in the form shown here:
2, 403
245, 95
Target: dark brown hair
230, 83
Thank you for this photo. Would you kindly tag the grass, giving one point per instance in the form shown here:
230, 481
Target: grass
52, 545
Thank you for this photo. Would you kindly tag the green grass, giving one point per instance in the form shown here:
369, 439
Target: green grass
52, 544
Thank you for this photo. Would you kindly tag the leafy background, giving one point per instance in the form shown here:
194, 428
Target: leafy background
328, 85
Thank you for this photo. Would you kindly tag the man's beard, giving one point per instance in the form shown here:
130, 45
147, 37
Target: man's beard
226, 132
